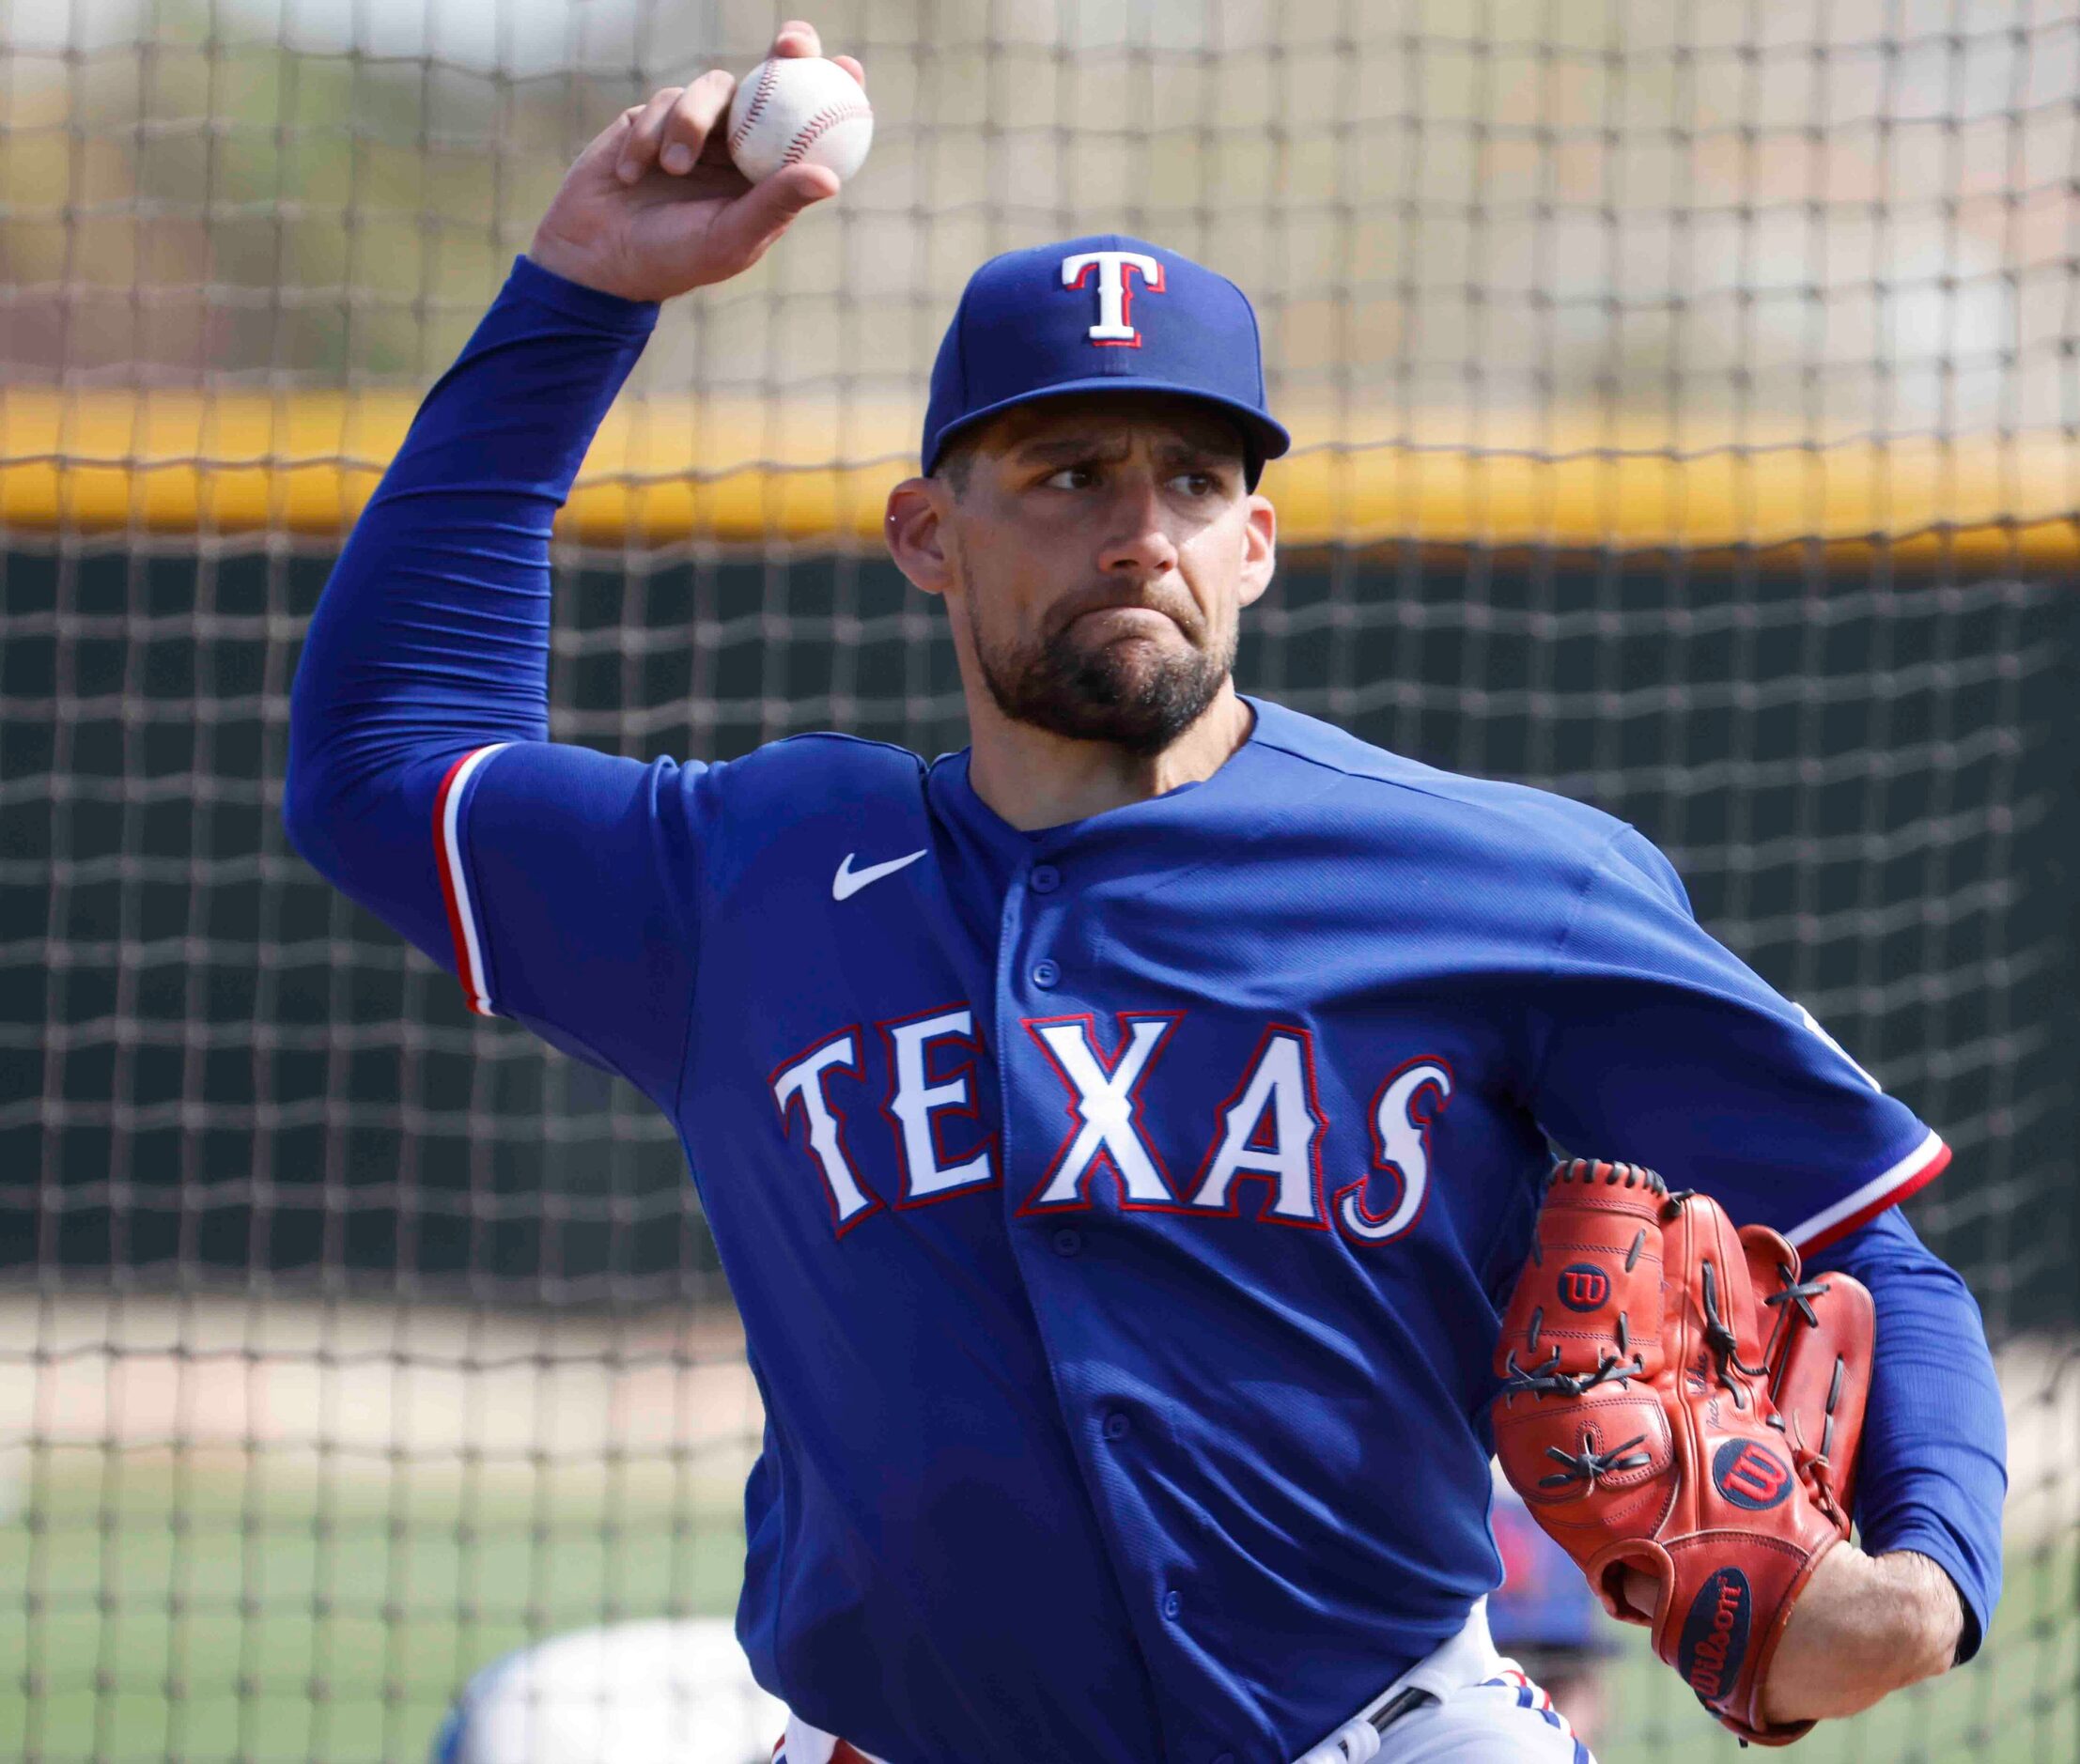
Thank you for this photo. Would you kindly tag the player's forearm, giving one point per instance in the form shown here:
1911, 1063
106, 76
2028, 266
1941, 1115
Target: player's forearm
1932, 1475
1865, 1627
432, 636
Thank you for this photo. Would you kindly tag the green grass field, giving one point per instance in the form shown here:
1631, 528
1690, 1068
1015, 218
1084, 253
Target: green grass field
148, 1615
151, 1612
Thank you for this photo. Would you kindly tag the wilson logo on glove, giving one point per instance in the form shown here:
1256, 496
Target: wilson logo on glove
1583, 1287
1748, 1475
1714, 1635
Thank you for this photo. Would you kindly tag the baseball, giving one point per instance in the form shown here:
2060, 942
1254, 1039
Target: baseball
800, 110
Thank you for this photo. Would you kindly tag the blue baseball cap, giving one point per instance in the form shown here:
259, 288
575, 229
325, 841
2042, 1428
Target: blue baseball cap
1102, 313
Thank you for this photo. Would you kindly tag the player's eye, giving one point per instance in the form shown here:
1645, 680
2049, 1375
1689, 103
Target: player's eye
1197, 482
1072, 478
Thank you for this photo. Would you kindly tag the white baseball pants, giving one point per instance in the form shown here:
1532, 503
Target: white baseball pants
1473, 1707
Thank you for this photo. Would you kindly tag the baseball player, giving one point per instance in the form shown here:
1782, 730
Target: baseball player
1122, 1137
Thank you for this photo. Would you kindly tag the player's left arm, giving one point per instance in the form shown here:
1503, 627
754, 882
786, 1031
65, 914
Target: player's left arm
1916, 1597
1656, 1043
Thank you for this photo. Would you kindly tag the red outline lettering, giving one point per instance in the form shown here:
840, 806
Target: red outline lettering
1077, 1121
856, 1066
992, 1146
1421, 1123
1265, 1213
1128, 270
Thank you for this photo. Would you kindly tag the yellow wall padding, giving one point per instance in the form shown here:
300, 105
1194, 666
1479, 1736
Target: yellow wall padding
743, 471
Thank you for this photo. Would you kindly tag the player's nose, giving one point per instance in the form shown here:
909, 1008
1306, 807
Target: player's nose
1137, 539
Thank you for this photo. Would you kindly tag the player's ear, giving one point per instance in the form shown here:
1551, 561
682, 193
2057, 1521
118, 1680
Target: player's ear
914, 529
1259, 547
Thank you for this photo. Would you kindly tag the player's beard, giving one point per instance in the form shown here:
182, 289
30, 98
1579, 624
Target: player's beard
1116, 692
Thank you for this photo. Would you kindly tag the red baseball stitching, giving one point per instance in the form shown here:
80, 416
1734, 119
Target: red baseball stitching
820, 125
768, 75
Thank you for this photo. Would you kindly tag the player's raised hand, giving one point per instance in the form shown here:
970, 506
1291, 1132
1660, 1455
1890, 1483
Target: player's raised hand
653, 206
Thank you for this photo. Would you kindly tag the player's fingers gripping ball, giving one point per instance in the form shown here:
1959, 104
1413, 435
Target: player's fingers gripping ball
1677, 1402
800, 110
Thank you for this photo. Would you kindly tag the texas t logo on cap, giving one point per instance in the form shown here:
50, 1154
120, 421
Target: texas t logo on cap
1105, 314
1115, 290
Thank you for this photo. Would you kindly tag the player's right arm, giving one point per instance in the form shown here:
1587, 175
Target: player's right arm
421, 781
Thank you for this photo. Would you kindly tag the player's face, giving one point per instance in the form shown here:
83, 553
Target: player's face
1099, 554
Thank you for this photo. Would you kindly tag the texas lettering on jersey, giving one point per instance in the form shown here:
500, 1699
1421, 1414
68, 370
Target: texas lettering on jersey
1270, 1130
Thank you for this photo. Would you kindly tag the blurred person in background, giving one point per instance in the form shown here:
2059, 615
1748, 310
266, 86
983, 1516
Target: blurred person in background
663, 1691
1544, 1617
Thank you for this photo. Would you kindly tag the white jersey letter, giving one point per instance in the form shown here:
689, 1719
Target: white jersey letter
1401, 1143
913, 1099
802, 1082
1278, 1094
1102, 1105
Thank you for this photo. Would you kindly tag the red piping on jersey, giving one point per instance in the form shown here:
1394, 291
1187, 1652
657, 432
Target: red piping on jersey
1911, 1184
474, 990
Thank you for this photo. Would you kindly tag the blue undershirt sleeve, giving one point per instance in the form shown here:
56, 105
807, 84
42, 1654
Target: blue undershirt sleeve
1933, 1472
554, 880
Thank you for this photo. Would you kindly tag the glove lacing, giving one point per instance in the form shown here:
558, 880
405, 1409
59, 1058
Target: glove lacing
1724, 1343
1797, 1292
1588, 1465
1547, 1380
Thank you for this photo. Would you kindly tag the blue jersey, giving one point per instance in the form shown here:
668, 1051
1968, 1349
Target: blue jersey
1121, 1215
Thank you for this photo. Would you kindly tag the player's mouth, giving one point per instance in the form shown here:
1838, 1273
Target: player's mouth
1110, 623
1109, 616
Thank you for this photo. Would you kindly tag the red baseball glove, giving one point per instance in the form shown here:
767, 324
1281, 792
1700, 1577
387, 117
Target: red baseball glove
1657, 1417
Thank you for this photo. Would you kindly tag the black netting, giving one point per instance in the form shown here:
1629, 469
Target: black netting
1717, 362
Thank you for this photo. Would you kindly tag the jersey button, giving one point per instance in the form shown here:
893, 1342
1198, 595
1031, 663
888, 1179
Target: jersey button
1043, 878
1068, 1242
1117, 1427
1044, 974
1172, 1604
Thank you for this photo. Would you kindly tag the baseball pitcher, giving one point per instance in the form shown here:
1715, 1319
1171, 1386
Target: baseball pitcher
1128, 1138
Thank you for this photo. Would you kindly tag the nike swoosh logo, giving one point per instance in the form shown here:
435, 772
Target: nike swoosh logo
848, 881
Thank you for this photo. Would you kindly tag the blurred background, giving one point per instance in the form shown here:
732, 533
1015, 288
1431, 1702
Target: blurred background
1688, 414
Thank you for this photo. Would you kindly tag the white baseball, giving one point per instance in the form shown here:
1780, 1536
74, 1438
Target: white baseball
798, 110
